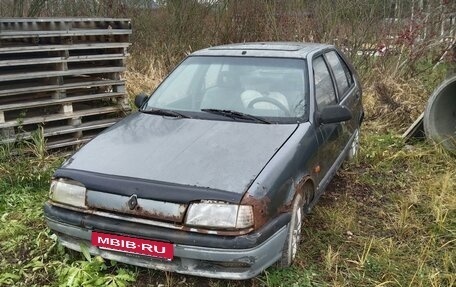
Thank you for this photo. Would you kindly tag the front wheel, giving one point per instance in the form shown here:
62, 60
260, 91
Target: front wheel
290, 249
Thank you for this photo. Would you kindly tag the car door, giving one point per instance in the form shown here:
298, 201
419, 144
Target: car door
348, 93
330, 136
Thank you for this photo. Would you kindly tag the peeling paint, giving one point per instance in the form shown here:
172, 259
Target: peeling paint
216, 232
260, 209
140, 211
300, 188
287, 207
134, 205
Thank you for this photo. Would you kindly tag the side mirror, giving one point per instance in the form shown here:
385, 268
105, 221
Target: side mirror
140, 100
334, 114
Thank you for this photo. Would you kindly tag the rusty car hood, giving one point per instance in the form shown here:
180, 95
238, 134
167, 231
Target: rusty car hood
212, 154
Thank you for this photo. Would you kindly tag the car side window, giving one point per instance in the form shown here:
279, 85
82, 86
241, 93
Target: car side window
324, 88
341, 72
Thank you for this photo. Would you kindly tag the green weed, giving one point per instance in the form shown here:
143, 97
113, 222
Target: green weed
387, 219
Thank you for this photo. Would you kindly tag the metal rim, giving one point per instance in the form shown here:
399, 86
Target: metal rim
354, 146
295, 229
296, 234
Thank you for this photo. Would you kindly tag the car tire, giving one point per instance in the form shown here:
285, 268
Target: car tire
290, 248
354, 148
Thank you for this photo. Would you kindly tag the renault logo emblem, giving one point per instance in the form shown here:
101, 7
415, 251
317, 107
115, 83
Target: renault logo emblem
133, 202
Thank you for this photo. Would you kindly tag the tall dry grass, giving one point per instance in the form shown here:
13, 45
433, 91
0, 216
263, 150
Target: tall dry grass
400, 62
397, 48
142, 81
394, 103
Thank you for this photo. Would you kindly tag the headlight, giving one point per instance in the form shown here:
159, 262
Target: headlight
68, 192
220, 215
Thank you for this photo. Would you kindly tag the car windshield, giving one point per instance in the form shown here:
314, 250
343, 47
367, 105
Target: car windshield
272, 88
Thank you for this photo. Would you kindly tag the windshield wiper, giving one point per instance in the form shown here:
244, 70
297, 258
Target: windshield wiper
163, 112
236, 115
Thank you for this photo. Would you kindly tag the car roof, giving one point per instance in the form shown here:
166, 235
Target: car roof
263, 49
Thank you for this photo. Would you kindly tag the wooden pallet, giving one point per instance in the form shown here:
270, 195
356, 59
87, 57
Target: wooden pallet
62, 74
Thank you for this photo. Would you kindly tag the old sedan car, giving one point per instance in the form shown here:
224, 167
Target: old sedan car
214, 173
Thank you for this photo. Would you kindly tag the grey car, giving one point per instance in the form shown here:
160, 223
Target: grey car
214, 173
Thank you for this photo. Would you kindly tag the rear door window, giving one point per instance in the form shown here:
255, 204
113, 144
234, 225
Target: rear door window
342, 74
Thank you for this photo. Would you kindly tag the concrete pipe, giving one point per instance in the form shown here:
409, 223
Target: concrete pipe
440, 115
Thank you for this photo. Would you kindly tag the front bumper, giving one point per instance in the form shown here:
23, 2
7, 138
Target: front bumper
235, 257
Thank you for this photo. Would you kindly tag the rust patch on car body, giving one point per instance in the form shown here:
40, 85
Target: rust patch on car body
300, 188
216, 232
285, 208
260, 209
137, 206
140, 211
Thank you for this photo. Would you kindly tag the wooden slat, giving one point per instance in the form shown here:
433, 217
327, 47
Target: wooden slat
20, 89
415, 130
68, 142
57, 117
44, 34
49, 74
67, 129
83, 127
47, 48
42, 103
51, 60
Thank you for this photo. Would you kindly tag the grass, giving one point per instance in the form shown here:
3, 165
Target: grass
388, 219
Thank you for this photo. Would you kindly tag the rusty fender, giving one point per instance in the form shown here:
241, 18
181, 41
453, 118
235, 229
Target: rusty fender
260, 209
299, 188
